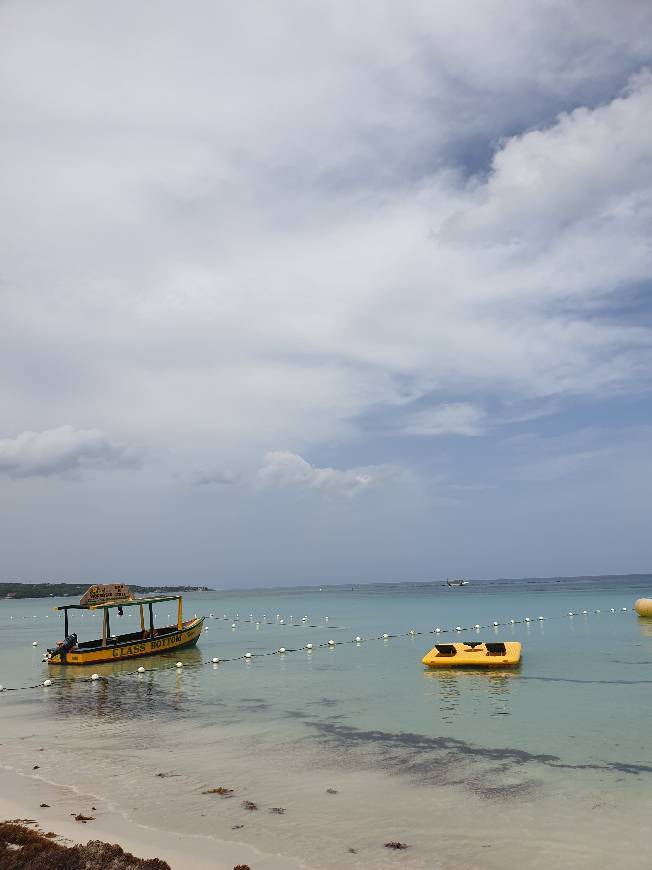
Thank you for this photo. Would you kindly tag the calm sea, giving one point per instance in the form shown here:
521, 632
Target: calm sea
546, 766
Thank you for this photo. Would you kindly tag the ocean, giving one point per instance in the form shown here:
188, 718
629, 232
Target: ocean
344, 748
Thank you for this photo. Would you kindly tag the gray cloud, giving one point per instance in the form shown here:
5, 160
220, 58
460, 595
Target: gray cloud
62, 451
219, 477
450, 418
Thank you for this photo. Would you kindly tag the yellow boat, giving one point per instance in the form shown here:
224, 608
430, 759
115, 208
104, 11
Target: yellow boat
147, 641
474, 654
643, 606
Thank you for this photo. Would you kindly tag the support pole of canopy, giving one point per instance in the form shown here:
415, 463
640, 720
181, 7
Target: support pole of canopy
142, 618
180, 614
65, 623
151, 621
105, 627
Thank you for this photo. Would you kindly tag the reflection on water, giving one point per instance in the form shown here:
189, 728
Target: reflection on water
133, 696
126, 666
645, 626
471, 691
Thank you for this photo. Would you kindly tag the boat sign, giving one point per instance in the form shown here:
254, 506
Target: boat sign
100, 593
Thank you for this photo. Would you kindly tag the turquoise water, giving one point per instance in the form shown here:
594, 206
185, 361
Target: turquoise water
550, 762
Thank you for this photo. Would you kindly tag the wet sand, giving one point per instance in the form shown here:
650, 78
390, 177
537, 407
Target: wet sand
21, 798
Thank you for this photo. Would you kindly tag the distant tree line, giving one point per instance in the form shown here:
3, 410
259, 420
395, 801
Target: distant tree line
76, 590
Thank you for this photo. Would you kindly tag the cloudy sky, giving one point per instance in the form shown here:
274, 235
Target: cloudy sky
299, 292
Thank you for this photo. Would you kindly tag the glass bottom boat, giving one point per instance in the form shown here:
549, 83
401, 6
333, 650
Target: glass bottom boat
150, 640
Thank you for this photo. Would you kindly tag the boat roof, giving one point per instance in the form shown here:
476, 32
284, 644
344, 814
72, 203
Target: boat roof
118, 603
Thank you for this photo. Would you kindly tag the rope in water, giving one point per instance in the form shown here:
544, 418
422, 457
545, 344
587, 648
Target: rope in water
358, 641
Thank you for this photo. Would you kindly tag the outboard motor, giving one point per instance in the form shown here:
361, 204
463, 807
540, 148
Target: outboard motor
65, 646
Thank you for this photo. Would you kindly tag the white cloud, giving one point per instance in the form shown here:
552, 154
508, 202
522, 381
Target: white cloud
454, 418
284, 470
62, 451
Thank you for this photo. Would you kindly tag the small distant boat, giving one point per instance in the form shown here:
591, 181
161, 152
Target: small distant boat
148, 641
474, 654
456, 581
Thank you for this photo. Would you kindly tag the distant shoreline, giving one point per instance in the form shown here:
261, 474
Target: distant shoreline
15, 591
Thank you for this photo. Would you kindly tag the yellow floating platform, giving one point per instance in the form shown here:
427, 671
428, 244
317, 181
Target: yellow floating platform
473, 654
643, 606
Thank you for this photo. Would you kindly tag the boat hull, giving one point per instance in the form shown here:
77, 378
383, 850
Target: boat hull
479, 657
133, 649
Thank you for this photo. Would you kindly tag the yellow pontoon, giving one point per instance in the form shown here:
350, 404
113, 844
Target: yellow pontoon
149, 640
474, 654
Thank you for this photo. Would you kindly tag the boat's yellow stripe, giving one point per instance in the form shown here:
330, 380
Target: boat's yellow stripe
138, 648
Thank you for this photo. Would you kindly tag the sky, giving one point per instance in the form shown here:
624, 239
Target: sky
325, 292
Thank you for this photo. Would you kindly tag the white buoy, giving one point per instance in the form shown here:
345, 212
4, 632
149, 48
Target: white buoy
511, 622
215, 660
35, 643
495, 624
584, 612
358, 639
438, 631
540, 618
458, 628
623, 609
247, 655
570, 613
95, 677
233, 625
613, 609
141, 670
412, 632
179, 664
308, 646
47, 683
281, 649
326, 617
596, 611
385, 636
304, 619
477, 627
527, 619
331, 643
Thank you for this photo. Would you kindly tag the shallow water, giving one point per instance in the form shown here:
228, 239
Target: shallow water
548, 765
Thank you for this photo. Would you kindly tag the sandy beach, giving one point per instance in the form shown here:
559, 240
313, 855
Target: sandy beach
21, 798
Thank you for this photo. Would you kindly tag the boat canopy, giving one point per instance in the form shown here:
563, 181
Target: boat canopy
128, 602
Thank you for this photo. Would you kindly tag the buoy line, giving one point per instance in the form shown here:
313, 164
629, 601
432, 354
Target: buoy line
309, 647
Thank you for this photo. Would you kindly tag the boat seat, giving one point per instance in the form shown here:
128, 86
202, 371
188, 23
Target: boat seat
445, 649
496, 649
472, 644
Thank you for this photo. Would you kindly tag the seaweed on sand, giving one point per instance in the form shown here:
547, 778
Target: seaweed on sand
22, 848
220, 790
